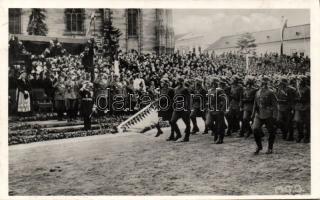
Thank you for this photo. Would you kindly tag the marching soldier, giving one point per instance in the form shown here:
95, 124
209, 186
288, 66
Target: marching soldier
263, 108
247, 106
198, 102
285, 100
302, 109
217, 106
234, 114
166, 95
181, 109
87, 104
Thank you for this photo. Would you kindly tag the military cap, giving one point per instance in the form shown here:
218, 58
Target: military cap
283, 80
265, 79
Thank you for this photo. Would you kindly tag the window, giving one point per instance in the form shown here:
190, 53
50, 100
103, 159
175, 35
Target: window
132, 22
75, 20
15, 20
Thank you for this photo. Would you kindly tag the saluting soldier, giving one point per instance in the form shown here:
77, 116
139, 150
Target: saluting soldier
302, 109
198, 102
181, 109
247, 106
166, 94
263, 108
285, 100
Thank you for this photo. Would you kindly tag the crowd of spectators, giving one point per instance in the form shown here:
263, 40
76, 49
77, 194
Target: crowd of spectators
60, 74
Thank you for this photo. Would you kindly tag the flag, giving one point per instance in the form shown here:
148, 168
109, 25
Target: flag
92, 18
284, 25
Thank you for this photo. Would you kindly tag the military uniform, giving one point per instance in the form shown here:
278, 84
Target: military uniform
215, 113
247, 107
166, 109
198, 102
234, 114
87, 103
285, 102
59, 92
181, 108
264, 105
302, 111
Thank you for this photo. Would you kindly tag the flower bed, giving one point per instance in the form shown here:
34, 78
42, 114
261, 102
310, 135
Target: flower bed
22, 132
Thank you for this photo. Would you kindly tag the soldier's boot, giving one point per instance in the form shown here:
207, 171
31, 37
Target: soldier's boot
195, 130
271, 139
300, 132
258, 149
215, 138
220, 141
257, 138
206, 131
228, 132
249, 132
177, 130
159, 130
306, 138
290, 133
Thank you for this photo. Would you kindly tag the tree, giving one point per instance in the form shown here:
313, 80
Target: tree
246, 43
111, 37
37, 25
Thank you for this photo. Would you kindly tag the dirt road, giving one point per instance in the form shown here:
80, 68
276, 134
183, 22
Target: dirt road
137, 164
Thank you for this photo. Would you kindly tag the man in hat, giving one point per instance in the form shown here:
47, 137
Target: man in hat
246, 105
166, 94
181, 109
264, 105
234, 114
198, 98
87, 104
285, 99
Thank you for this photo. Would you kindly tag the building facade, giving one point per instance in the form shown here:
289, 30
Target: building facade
296, 39
143, 30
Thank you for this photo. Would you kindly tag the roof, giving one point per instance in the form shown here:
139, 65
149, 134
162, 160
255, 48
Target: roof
262, 37
178, 36
36, 38
187, 36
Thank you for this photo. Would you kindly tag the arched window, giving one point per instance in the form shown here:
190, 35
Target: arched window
75, 20
132, 22
15, 20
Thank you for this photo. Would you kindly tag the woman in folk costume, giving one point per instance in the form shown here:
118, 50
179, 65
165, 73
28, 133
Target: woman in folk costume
23, 94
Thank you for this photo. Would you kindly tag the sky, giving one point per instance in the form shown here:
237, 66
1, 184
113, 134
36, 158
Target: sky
214, 23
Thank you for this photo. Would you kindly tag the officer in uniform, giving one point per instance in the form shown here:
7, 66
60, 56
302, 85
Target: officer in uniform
166, 95
87, 104
285, 99
247, 106
263, 108
234, 115
181, 109
198, 102
217, 106
302, 109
